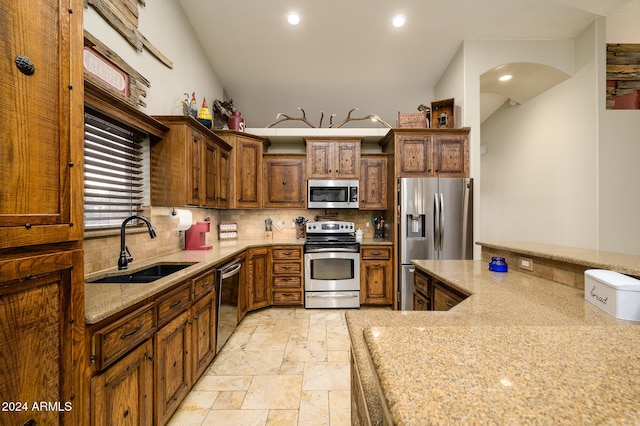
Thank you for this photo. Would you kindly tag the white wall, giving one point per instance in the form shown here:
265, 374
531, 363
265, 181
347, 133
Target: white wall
619, 153
461, 80
164, 24
539, 175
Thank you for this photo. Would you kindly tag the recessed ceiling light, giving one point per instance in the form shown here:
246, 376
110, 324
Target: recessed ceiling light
399, 21
506, 77
293, 18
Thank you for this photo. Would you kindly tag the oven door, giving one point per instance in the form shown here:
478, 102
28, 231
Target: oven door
332, 271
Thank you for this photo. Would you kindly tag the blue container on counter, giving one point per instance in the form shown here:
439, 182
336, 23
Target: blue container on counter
498, 264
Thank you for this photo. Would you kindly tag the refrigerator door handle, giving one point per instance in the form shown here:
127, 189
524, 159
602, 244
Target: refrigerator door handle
436, 223
442, 224
465, 218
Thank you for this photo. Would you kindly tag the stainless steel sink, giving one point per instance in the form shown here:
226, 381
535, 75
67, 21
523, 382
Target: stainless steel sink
147, 275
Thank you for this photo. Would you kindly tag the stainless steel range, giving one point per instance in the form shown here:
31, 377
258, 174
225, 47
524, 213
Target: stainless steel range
331, 265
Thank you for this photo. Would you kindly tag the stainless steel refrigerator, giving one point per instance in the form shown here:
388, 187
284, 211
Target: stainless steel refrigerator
436, 222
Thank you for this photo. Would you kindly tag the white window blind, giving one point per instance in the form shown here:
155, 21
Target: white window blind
112, 172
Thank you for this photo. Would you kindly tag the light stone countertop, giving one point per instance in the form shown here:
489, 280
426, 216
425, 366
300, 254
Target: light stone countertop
520, 349
104, 300
620, 262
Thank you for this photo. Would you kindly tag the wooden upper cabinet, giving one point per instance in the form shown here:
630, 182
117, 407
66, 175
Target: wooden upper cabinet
429, 152
210, 162
223, 178
415, 156
246, 163
333, 159
186, 165
41, 136
373, 182
451, 155
284, 181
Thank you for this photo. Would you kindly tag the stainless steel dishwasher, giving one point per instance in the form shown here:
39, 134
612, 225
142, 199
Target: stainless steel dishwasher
227, 286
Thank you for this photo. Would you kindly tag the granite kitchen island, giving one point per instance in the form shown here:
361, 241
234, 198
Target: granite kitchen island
520, 349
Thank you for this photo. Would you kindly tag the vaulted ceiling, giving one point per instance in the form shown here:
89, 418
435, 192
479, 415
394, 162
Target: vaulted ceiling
346, 54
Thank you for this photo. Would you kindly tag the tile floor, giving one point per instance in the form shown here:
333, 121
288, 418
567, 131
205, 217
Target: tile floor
282, 366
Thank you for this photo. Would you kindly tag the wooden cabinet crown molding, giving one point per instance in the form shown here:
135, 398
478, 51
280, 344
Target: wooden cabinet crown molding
105, 102
187, 120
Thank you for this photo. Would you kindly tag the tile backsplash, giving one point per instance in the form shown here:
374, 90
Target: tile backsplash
101, 250
251, 223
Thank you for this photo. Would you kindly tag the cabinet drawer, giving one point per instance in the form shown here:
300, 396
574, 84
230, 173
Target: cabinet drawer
287, 297
421, 284
376, 252
445, 299
287, 268
173, 303
288, 282
203, 284
288, 253
116, 339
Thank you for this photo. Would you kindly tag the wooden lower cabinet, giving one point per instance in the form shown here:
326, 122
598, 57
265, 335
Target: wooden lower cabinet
421, 292
286, 271
145, 360
42, 357
243, 287
433, 295
123, 394
376, 278
259, 278
444, 297
203, 314
172, 347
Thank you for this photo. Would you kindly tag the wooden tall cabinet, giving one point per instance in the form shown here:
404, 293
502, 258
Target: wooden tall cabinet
42, 357
284, 181
333, 158
189, 166
246, 164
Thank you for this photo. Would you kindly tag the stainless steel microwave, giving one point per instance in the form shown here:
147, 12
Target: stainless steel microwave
332, 194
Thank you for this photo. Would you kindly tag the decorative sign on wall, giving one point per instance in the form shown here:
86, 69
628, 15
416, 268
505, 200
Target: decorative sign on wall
122, 15
109, 71
623, 76
99, 67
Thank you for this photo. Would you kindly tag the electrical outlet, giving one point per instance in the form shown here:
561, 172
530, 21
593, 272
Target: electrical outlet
526, 264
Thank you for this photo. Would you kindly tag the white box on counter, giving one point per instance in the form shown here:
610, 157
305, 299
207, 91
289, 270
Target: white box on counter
616, 294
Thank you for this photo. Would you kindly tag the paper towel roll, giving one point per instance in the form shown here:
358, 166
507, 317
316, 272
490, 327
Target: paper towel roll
183, 219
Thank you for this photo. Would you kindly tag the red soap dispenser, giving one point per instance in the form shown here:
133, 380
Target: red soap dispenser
195, 238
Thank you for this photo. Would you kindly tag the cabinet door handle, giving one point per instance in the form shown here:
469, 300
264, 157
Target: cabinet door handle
449, 304
176, 303
206, 283
132, 332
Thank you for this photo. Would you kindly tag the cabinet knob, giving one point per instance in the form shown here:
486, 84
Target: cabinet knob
25, 65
